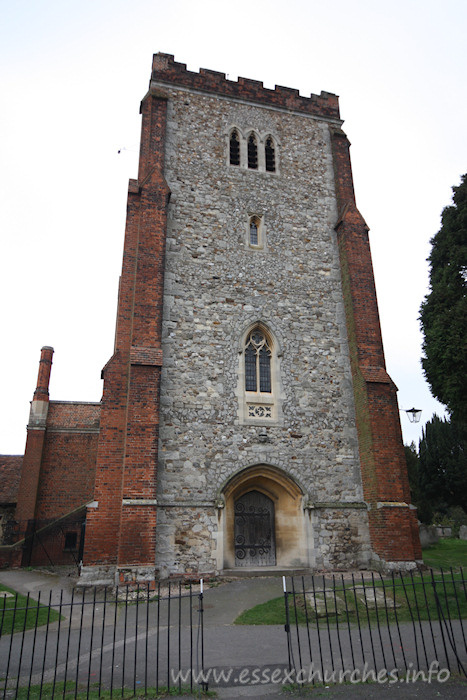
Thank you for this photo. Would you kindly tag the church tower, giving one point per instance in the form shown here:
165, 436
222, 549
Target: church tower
247, 419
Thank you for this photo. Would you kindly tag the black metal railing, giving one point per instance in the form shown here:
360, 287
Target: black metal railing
353, 628
149, 639
123, 640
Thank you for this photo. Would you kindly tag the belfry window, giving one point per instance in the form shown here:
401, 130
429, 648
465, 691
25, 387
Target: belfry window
234, 148
270, 155
252, 152
257, 363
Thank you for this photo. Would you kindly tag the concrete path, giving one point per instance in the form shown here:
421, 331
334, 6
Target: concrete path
255, 651
33, 581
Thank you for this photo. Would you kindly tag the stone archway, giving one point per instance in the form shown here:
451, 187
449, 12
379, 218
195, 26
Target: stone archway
271, 523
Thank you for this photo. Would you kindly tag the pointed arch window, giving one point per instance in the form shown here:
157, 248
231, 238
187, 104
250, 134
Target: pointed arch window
234, 148
270, 155
259, 381
258, 363
252, 152
251, 149
255, 231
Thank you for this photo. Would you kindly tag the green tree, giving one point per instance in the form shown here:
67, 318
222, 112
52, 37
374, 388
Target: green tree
442, 468
424, 507
443, 313
412, 460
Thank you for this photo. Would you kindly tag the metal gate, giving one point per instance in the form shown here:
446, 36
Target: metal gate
254, 530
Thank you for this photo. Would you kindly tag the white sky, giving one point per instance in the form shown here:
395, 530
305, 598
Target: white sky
72, 74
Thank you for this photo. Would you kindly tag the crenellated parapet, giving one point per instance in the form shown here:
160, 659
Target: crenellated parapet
166, 70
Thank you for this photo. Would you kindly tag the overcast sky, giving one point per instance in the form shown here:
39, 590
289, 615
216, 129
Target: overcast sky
72, 74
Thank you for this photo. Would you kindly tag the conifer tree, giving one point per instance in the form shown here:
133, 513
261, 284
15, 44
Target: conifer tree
442, 469
443, 313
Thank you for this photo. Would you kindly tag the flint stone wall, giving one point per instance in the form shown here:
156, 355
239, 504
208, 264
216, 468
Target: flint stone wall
215, 286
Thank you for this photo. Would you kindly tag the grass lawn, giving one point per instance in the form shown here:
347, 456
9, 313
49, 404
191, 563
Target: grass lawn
19, 613
446, 553
410, 598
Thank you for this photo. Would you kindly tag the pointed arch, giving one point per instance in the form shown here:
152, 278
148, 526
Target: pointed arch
245, 478
234, 146
254, 227
257, 355
255, 231
270, 154
275, 499
259, 385
252, 150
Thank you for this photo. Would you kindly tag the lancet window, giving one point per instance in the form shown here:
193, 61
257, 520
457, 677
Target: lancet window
252, 152
234, 148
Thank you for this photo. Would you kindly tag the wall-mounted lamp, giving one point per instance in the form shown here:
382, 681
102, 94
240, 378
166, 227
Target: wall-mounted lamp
413, 414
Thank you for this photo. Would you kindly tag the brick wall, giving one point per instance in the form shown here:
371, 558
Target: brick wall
68, 459
165, 69
121, 530
393, 524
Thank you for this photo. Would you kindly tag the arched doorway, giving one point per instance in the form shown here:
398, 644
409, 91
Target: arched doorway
263, 523
254, 530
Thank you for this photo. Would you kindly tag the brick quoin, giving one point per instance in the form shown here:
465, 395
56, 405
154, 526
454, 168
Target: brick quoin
393, 524
121, 529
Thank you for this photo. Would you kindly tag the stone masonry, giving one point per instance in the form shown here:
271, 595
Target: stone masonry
247, 417
215, 287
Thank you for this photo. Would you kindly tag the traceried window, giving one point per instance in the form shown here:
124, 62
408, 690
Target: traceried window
270, 155
234, 148
259, 380
257, 363
252, 152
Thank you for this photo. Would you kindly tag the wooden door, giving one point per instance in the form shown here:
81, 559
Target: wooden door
254, 530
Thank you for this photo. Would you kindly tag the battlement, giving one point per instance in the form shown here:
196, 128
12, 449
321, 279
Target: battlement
166, 70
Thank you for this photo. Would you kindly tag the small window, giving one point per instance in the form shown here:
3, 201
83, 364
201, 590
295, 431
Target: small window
254, 225
270, 155
234, 148
71, 540
252, 152
257, 363
255, 232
